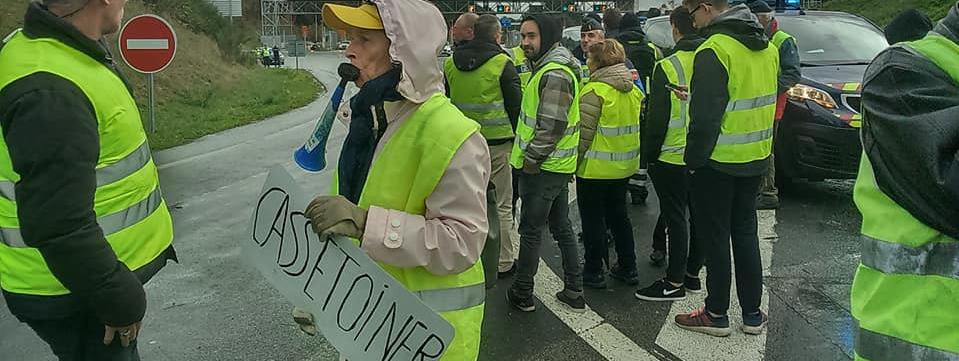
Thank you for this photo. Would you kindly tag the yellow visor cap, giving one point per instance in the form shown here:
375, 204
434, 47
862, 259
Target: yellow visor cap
342, 17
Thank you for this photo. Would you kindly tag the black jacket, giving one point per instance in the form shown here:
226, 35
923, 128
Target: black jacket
709, 93
658, 108
474, 54
911, 132
50, 129
636, 44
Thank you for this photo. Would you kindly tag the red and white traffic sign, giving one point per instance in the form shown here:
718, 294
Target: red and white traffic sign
147, 43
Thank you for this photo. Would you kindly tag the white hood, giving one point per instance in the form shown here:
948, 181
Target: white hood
417, 32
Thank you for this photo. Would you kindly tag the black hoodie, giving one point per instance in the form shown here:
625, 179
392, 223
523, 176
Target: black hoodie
709, 93
911, 131
474, 54
636, 44
550, 33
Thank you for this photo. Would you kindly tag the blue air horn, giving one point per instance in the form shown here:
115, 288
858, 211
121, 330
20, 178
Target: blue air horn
312, 155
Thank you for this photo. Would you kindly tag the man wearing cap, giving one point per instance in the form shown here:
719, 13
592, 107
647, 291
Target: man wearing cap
591, 32
413, 170
789, 75
83, 223
483, 84
545, 149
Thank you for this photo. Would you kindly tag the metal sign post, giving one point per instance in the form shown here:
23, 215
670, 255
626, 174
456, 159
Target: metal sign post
153, 109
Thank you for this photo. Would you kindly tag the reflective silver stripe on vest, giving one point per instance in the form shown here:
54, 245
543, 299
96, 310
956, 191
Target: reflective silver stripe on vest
125, 167
453, 299
878, 347
933, 259
668, 149
12, 238
615, 131
480, 108
106, 175
495, 122
531, 122
7, 190
683, 104
746, 104
746, 138
612, 157
557, 153
110, 224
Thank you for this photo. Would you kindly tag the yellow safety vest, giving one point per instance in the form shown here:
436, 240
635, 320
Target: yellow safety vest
904, 295
779, 38
128, 205
523, 67
747, 124
563, 158
402, 177
614, 153
678, 69
478, 95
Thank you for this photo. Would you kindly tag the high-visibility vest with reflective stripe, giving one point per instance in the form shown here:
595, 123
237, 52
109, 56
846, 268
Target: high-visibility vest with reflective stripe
747, 124
906, 289
563, 158
584, 74
678, 68
779, 38
127, 203
402, 177
522, 66
614, 153
478, 95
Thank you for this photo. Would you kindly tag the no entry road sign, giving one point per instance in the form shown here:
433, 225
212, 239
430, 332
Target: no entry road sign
147, 43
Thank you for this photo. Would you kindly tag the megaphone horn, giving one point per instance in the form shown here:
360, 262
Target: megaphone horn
312, 155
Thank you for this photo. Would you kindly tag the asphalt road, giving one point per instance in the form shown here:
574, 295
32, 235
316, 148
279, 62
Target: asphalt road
214, 306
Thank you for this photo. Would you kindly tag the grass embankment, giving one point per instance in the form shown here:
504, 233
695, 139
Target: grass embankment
210, 86
883, 11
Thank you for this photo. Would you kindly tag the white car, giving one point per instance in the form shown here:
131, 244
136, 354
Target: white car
343, 45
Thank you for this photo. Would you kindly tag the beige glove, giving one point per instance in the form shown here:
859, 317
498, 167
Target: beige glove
305, 320
530, 167
336, 216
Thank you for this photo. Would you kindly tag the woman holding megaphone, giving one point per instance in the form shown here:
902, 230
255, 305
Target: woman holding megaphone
412, 174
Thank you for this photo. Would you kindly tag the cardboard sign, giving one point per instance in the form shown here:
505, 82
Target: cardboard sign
360, 309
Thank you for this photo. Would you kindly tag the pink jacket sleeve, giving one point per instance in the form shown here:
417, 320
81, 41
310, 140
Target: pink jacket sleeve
450, 237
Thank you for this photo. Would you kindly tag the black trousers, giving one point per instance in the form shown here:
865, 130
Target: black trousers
602, 206
80, 338
659, 233
672, 186
724, 210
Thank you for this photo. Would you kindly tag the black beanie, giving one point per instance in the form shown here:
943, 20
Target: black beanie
910, 25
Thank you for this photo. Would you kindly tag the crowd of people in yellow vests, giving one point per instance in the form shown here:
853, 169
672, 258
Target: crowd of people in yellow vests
440, 162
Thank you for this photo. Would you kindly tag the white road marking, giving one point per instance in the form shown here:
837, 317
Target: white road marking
608, 341
148, 44
737, 347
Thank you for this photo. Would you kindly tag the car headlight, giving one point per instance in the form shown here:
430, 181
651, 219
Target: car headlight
805, 92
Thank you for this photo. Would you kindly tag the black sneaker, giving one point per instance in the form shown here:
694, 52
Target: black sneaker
693, 285
522, 304
507, 273
661, 290
597, 281
754, 324
577, 304
658, 258
628, 277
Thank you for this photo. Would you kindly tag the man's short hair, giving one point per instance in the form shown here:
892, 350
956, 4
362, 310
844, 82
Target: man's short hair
682, 21
486, 28
612, 18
